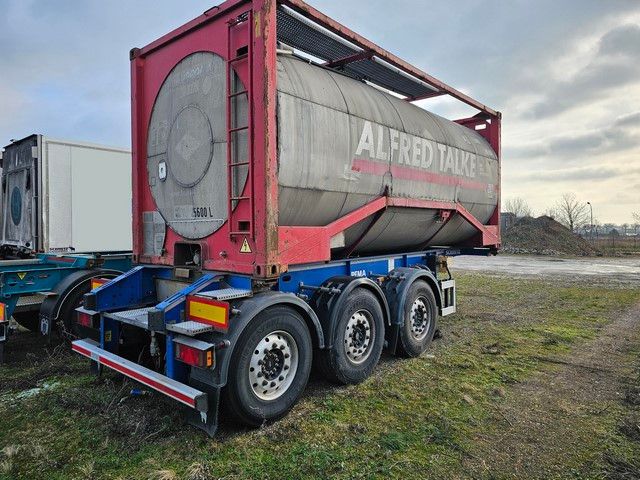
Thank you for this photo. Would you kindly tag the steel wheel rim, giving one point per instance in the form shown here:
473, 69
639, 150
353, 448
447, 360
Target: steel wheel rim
358, 336
273, 365
419, 318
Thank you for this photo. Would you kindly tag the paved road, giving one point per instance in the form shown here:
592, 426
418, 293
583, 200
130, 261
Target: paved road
619, 270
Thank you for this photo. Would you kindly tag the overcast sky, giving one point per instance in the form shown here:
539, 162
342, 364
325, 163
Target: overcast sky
565, 74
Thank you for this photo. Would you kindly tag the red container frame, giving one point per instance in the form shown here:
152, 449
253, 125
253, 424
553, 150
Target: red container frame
272, 247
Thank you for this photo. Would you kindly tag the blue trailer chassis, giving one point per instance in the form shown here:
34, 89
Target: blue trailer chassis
134, 299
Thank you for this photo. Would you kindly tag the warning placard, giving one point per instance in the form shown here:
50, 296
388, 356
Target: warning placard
245, 248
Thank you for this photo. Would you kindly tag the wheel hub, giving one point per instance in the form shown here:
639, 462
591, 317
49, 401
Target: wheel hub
420, 321
273, 365
357, 338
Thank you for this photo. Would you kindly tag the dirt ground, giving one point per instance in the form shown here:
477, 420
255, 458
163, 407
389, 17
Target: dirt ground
536, 377
617, 271
535, 434
535, 428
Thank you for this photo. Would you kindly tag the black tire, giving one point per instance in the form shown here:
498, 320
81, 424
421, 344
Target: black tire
239, 397
67, 313
420, 318
28, 320
336, 364
72, 297
66, 320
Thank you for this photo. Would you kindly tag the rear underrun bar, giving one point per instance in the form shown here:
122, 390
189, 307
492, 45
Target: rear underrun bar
178, 391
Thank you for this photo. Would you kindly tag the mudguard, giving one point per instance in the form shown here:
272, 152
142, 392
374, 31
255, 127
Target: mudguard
395, 288
397, 285
328, 301
50, 308
248, 310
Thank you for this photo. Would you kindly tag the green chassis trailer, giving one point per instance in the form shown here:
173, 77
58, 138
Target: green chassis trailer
41, 292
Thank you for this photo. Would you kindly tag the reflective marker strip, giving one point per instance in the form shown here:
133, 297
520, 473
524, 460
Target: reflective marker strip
149, 382
144, 379
79, 349
62, 259
209, 311
96, 282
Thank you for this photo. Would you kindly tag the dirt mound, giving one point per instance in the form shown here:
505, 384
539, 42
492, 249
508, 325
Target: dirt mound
544, 236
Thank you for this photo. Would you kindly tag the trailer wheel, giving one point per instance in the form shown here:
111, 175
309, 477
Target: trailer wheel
28, 320
60, 308
271, 365
358, 340
74, 300
420, 314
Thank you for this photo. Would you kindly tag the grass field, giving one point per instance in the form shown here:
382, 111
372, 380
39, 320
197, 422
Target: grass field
459, 412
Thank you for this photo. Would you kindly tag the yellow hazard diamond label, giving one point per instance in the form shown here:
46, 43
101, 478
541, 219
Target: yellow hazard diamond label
21, 275
107, 336
245, 248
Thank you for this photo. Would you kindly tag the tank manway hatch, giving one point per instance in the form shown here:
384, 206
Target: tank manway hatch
187, 146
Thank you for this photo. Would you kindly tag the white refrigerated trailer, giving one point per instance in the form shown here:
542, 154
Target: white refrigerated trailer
65, 221
65, 196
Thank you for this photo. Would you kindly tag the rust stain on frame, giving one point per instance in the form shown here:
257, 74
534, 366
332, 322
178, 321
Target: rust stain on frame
256, 25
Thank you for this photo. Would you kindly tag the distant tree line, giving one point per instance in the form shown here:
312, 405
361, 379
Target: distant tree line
573, 213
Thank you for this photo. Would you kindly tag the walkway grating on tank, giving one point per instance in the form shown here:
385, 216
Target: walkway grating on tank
302, 34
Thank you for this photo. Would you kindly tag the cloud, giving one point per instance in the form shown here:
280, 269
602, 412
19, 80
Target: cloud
621, 135
65, 72
616, 63
632, 120
579, 174
622, 41
12, 104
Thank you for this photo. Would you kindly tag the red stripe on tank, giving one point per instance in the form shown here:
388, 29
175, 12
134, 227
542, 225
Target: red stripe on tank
371, 167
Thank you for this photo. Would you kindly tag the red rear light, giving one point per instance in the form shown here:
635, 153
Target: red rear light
193, 356
3, 313
84, 319
87, 318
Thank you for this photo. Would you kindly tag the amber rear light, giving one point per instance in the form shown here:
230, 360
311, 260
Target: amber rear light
98, 282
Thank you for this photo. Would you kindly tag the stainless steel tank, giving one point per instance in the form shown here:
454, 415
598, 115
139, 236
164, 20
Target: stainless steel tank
341, 144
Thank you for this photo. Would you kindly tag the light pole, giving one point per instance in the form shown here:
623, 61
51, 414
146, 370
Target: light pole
591, 224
